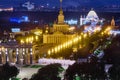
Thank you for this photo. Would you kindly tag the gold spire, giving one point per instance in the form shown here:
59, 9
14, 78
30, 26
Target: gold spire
61, 16
112, 22
61, 4
61, 1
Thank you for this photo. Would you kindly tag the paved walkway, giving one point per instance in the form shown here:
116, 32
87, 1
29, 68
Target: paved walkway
27, 72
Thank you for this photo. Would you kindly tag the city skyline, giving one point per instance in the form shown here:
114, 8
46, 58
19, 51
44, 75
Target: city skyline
66, 3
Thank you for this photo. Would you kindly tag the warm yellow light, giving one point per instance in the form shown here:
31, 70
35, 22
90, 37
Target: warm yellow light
97, 29
58, 47
52, 50
108, 33
74, 49
27, 40
69, 43
75, 40
55, 49
49, 52
71, 28
108, 29
79, 38
80, 46
32, 38
36, 37
64, 45
2, 48
81, 34
61, 46
102, 33
38, 32
46, 31
85, 35
21, 41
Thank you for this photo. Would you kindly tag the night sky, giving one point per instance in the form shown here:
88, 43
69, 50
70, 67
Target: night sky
66, 3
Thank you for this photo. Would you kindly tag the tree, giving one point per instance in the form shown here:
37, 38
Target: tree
112, 52
85, 71
49, 72
7, 71
114, 72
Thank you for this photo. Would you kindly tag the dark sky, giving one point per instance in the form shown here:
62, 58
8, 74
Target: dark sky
66, 3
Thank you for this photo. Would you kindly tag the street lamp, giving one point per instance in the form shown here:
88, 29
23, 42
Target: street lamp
6, 54
0, 56
17, 56
31, 56
24, 61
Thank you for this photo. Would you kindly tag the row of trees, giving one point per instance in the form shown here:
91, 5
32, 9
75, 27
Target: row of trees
78, 71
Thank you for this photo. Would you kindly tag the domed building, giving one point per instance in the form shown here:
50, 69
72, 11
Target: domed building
91, 17
91, 21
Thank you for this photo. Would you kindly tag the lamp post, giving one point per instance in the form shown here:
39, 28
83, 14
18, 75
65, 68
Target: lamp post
6, 54
0, 56
24, 61
17, 56
31, 61
75, 53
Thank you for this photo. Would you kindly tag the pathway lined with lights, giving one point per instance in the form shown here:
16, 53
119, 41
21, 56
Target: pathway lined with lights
76, 40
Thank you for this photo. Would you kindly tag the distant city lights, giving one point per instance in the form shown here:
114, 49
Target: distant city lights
19, 20
6, 9
15, 29
71, 22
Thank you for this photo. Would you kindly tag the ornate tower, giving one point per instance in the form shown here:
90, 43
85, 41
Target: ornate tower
113, 22
61, 26
61, 15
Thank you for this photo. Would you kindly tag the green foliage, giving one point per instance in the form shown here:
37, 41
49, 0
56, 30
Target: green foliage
15, 79
85, 71
49, 72
8, 72
114, 72
36, 66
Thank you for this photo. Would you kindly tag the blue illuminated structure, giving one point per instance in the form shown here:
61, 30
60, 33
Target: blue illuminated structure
19, 20
72, 22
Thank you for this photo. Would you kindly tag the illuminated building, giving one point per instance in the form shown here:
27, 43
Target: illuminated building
90, 18
91, 21
60, 25
60, 31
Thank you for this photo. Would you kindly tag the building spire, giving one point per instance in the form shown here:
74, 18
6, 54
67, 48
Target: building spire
61, 15
113, 22
61, 4
92, 9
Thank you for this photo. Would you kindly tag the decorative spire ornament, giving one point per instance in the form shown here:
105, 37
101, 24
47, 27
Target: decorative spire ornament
61, 4
61, 1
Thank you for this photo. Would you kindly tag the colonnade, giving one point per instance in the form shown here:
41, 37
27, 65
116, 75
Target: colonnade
17, 55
